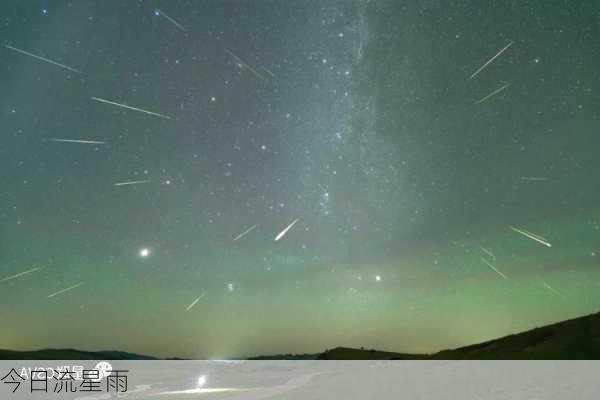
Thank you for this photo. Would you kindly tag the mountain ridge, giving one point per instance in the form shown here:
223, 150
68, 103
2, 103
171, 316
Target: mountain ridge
576, 338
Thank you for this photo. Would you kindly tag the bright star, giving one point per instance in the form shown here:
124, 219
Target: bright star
144, 252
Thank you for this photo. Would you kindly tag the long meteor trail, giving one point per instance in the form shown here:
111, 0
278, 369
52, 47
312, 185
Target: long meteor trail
76, 141
283, 232
531, 236
247, 231
243, 64
64, 290
132, 183
490, 61
42, 58
489, 253
8, 278
177, 24
495, 92
533, 178
195, 301
489, 264
550, 288
130, 107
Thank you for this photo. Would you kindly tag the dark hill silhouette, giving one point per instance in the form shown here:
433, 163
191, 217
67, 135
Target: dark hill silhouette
345, 353
577, 338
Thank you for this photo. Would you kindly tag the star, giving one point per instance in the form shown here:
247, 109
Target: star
144, 252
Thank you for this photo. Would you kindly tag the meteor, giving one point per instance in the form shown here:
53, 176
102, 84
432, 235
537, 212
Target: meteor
550, 288
130, 107
486, 262
132, 183
243, 64
177, 24
8, 278
533, 178
531, 236
283, 232
247, 231
64, 290
270, 73
489, 253
42, 58
195, 301
76, 141
495, 92
490, 60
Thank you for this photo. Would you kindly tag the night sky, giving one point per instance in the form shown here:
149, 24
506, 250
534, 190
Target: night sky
359, 121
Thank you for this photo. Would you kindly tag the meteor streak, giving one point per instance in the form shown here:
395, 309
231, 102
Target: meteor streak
550, 288
490, 61
270, 73
533, 178
531, 236
247, 231
489, 253
494, 268
42, 58
495, 92
8, 278
243, 64
283, 232
76, 141
177, 24
194, 302
131, 183
130, 107
64, 290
